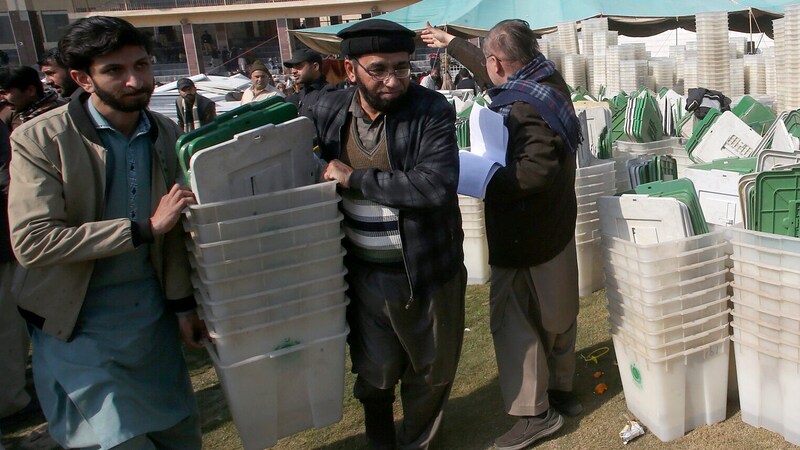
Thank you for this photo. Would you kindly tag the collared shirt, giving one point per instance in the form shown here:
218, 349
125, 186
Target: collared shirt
369, 131
128, 172
249, 94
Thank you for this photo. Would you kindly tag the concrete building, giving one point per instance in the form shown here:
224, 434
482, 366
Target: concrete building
185, 32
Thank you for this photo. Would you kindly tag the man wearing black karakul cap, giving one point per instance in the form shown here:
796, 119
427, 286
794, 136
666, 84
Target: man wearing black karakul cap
391, 145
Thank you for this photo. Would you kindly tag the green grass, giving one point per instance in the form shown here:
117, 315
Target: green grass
474, 415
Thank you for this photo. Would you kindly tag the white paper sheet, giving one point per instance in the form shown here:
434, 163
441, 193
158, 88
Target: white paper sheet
488, 136
475, 173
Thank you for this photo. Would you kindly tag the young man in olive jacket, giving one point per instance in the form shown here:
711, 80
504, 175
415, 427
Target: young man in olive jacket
392, 147
530, 224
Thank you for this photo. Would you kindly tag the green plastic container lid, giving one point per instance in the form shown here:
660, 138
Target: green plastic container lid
777, 202
739, 165
754, 114
701, 129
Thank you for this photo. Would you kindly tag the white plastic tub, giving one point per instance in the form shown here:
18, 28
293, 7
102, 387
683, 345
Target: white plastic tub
252, 225
766, 240
273, 278
774, 290
653, 323
600, 168
673, 291
476, 259
787, 331
266, 261
599, 178
240, 345
766, 272
674, 395
590, 270
474, 232
272, 241
605, 185
769, 390
636, 326
670, 306
760, 341
261, 204
666, 278
672, 348
282, 392
666, 264
240, 305
660, 251
269, 314
765, 255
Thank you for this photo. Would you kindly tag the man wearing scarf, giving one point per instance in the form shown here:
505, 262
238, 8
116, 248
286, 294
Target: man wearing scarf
193, 109
530, 223
24, 91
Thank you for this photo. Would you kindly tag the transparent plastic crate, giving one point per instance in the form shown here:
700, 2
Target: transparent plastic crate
601, 178
774, 290
589, 236
600, 168
656, 296
668, 335
239, 305
592, 198
269, 314
765, 240
282, 392
587, 227
766, 309
667, 278
673, 312
673, 348
261, 204
266, 261
671, 249
769, 389
765, 272
674, 395
765, 255
604, 186
262, 339
667, 264
768, 330
273, 278
272, 241
590, 270
264, 223
776, 346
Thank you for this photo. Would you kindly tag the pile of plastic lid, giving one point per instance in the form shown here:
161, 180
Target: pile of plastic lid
643, 118
766, 329
650, 168
713, 56
668, 309
476, 248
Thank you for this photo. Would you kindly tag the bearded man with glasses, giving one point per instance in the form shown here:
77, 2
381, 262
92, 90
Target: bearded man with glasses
391, 146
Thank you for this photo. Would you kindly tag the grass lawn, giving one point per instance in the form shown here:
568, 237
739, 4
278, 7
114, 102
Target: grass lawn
474, 415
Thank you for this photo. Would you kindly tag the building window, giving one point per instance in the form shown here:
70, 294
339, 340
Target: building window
6, 35
54, 24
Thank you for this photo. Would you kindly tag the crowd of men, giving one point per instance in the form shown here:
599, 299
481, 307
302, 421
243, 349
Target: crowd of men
93, 267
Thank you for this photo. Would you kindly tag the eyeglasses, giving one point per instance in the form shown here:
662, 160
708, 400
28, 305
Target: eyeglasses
486, 58
382, 75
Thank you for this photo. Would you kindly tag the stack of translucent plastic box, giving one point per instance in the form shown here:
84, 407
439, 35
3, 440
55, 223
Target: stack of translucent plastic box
591, 183
766, 329
713, 55
476, 247
669, 316
269, 279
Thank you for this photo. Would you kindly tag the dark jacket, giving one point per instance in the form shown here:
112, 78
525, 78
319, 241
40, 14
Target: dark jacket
531, 207
310, 95
423, 154
6, 254
207, 109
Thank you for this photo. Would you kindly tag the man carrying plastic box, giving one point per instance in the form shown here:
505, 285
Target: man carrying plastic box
93, 208
391, 145
530, 213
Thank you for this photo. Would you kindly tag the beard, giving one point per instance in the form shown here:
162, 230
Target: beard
127, 102
376, 101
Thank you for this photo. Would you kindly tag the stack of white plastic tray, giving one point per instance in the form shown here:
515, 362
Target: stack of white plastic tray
574, 69
568, 37
737, 86
663, 72
789, 59
669, 316
780, 64
476, 247
766, 329
591, 183
713, 56
269, 279
632, 74
612, 70
755, 74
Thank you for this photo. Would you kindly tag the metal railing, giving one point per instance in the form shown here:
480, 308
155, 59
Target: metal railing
127, 5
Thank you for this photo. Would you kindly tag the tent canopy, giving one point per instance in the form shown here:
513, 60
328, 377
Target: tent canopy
471, 18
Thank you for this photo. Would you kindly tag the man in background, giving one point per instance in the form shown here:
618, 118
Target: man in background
23, 90
193, 109
261, 88
306, 69
57, 74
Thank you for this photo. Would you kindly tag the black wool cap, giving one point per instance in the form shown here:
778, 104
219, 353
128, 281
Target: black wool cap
376, 36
